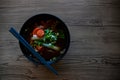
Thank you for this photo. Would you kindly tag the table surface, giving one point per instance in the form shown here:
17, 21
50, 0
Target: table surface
94, 52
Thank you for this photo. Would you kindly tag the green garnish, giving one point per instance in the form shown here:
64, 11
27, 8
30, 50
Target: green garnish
49, 39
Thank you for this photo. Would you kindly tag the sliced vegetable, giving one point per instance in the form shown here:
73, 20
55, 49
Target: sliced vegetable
39, 48
51, 46
48, 40
39, 32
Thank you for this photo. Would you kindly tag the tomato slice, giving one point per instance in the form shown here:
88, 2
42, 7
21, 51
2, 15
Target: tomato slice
39, 32
39, 48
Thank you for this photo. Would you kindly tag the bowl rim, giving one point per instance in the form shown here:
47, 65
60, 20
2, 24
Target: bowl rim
67, 31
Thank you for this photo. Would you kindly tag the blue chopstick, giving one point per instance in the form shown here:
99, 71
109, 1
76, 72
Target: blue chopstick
29, 47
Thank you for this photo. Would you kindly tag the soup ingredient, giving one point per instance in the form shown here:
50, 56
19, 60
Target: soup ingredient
39, 32
52, 47
50, 36
39, 48
48, 40
34, 37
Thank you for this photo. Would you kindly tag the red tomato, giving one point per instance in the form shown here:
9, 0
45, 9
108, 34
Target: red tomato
39, 48
39, 32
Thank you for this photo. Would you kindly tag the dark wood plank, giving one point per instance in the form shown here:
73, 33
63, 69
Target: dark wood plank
94, 53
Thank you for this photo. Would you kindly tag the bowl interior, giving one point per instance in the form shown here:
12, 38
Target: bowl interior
55, 41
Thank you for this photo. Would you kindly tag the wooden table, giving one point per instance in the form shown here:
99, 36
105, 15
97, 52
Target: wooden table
94, 53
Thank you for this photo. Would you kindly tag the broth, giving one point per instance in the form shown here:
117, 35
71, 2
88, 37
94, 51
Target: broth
48, 35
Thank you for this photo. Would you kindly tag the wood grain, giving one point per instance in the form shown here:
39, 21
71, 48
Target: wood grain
94, 53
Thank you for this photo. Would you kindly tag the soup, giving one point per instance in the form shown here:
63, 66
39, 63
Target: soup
48, 35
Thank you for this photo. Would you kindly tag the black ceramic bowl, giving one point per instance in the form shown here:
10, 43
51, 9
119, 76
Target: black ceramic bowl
51, 24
